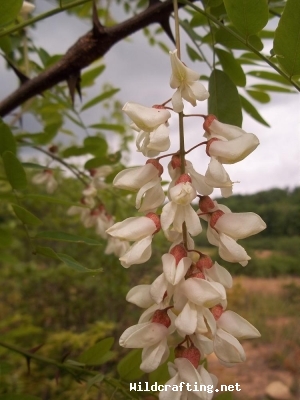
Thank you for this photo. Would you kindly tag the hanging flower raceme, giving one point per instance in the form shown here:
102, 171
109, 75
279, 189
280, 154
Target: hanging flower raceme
151, 123
46, 178
191, 283
186, 81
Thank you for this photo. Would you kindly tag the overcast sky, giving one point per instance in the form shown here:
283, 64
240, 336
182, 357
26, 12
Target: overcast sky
143, 72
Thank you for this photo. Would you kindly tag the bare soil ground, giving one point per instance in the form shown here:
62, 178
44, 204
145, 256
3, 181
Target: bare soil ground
278, 360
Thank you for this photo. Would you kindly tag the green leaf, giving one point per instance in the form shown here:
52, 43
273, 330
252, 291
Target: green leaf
66, 237
248, 16
231, 67
25, 216
9, 10
96, 145
7, 140
251, 110
66, 259
14, 171
74, 151
98, 99
273, 88
98, 161
89, 76
287, 38
271, 76
262, 97
109, 127
70, 262
12, 396
95, 379
46, 252
129, 367
50, 199
192, 53
94, 355
226, 39
224, 101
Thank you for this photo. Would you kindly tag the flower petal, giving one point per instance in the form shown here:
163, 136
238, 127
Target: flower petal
143, 335
138, 253
237, 326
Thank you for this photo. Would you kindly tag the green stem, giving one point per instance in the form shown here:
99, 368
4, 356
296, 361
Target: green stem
41, 17
177, 33
242, 40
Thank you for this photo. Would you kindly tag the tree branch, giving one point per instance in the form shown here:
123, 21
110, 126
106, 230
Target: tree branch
88, 48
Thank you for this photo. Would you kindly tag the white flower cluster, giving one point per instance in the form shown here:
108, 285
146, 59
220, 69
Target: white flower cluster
189, 297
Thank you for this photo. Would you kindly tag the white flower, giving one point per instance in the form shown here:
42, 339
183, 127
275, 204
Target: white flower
198, 181
147, 181
153, 134
138, 253
46, 178
217, 273
179, 210
151, 144
216, 176
146, 118
174, 273
228, 349
233, 151
237, 326
133, 228
27, 8
151, 337
186, 82
239, 225
139, 230
225, 228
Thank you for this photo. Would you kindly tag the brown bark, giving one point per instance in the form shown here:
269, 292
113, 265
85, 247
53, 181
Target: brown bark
93, 45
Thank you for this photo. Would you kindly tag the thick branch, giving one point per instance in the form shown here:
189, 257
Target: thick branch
88, 48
